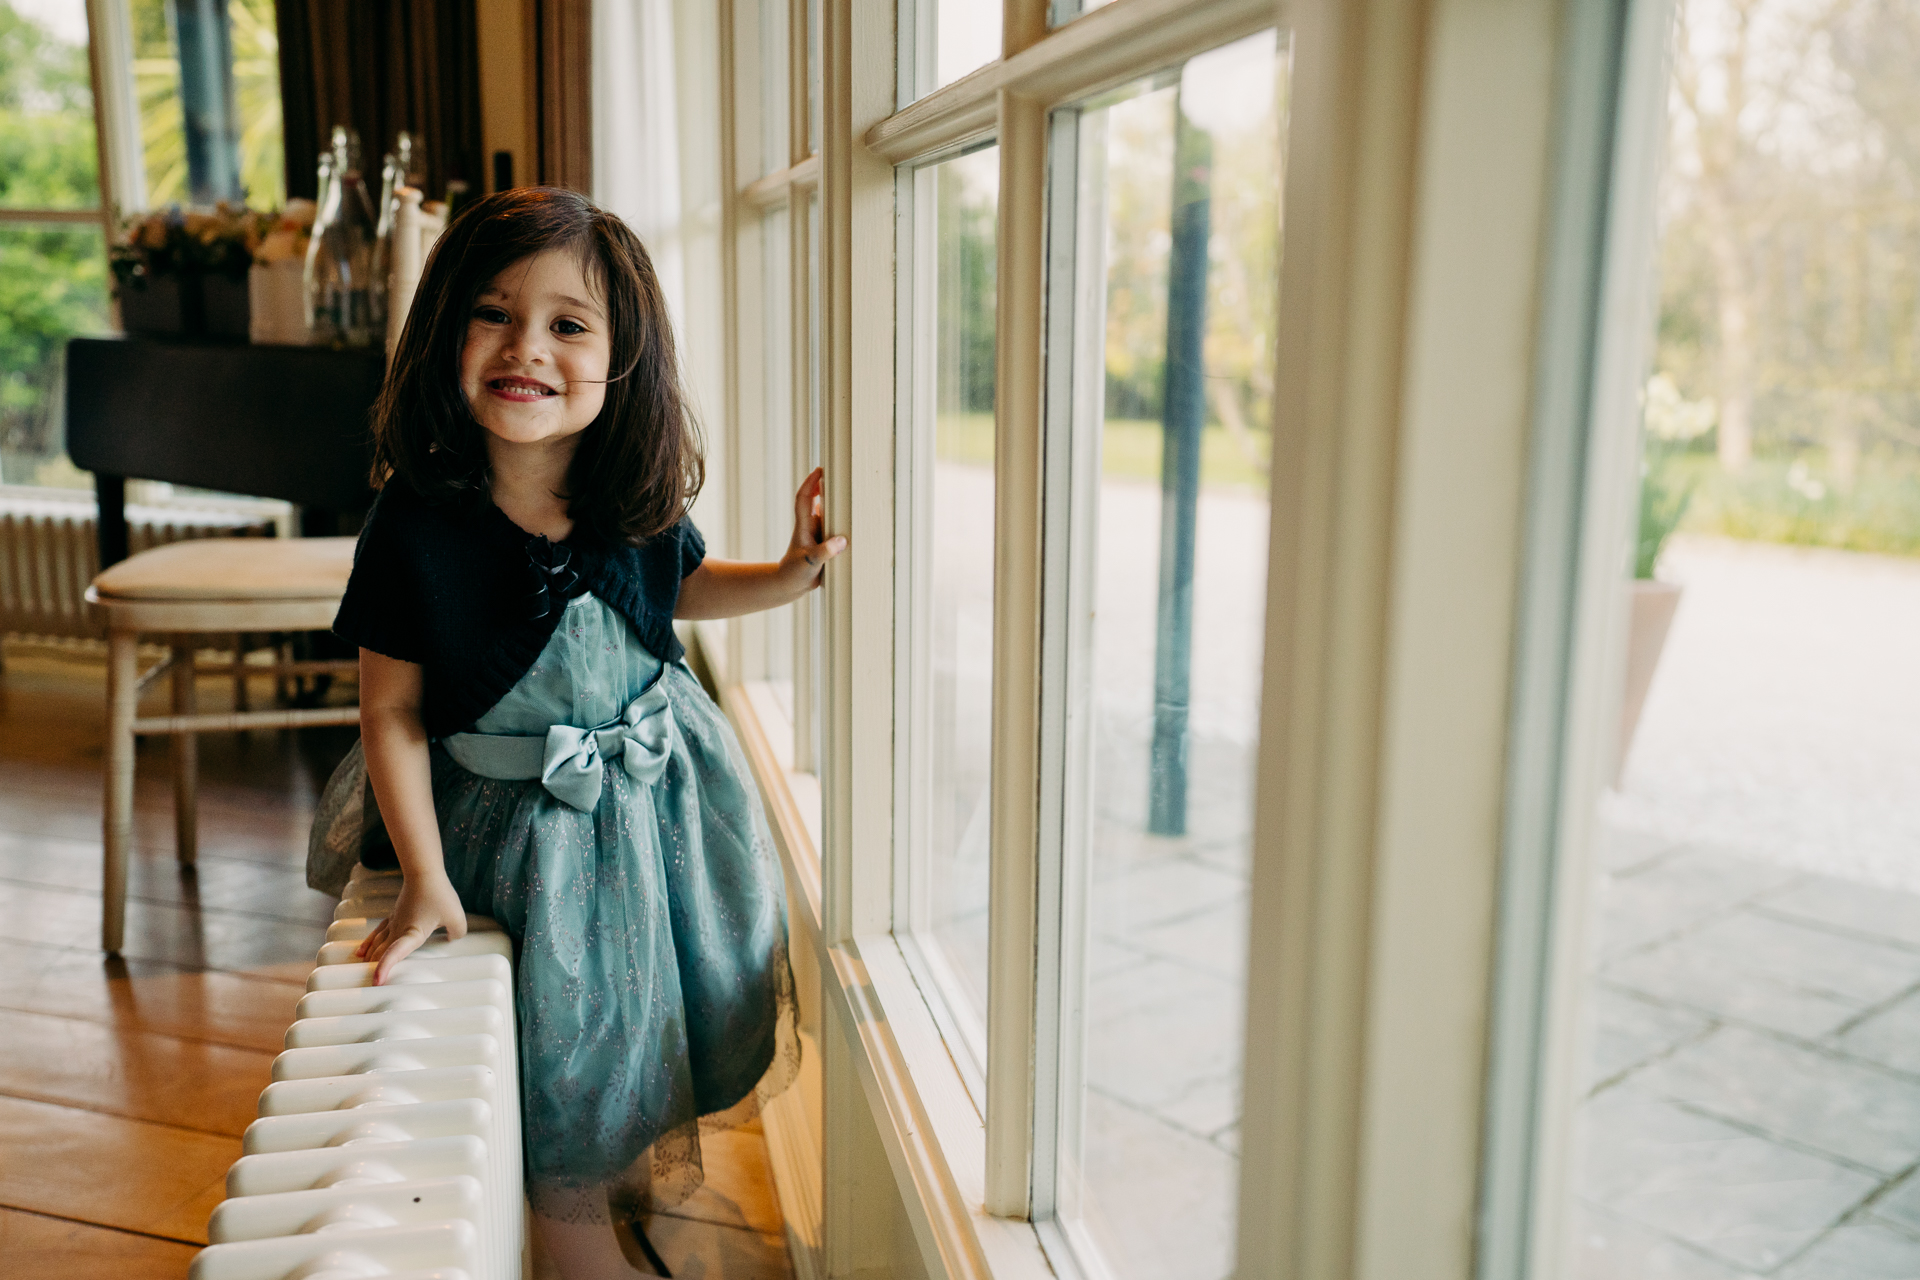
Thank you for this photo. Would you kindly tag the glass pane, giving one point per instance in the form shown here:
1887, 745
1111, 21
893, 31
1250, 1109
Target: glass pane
48, 158
814, 86
952, 37
811, 619
954, 577
53, 285
1753, 983
1179, 194
776, 143
777, 440
236, 145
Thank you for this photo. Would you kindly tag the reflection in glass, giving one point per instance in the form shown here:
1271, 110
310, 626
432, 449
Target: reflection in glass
957, 602
46, 107
1179, 192
53, 287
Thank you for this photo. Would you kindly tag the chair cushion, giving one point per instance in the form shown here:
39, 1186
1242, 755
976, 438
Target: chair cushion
233, 569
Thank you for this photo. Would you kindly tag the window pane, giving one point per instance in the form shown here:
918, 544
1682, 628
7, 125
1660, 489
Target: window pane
47, 152
1179, 192
53, 286
237, 140
951, 38
953, 578
777, 440
776, 143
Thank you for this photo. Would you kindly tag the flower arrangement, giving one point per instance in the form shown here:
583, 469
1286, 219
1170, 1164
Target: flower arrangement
176, 242
287, 235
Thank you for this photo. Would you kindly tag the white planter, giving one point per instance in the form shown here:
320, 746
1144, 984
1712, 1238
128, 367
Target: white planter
1653, 608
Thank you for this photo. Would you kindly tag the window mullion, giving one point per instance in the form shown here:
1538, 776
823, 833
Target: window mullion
116, 110
1014, 786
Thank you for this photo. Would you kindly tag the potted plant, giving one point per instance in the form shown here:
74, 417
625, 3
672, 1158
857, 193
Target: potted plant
1672, 424
185, 272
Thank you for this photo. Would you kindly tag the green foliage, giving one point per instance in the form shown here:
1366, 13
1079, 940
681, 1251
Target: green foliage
46, 119
52, 277
1666, 489
1791, 500
1130, 449
53, 286
256, 90
966, 291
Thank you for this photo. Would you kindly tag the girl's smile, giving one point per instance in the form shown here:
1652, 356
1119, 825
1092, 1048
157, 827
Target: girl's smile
534, 365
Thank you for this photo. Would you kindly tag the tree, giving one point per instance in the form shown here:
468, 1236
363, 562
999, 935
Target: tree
52, 277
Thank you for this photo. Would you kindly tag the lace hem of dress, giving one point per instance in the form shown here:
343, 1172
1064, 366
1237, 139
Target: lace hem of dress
672, 1169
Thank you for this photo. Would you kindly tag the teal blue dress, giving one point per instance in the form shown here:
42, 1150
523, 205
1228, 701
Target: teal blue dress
602, 812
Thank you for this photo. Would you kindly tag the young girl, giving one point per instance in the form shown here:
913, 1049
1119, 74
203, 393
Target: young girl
538, 752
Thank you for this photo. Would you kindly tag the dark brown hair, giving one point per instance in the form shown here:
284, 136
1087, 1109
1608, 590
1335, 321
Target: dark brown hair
638, 465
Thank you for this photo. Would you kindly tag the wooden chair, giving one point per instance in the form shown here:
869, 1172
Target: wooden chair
186, 590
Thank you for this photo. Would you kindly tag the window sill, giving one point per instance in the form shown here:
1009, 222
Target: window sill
926, 1119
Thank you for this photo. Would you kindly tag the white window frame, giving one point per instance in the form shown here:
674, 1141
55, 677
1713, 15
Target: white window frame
1419, 208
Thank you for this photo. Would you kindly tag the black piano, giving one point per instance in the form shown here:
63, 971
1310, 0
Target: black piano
269, 422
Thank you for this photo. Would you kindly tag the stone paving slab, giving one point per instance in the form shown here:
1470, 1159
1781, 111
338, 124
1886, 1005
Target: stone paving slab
1770, 972
1890, 1037
1859, 1251
1746, 1201
1677, 892
1630, 1031
1865, 910
1861, 1114
1161, 1032
1214, 940
1607, 1247
1900, 1204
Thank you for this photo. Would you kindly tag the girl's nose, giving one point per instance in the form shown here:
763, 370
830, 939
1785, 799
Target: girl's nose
526, 344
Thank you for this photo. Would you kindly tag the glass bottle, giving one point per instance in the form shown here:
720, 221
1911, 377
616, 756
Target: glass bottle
353, 244
393, 176
321, 282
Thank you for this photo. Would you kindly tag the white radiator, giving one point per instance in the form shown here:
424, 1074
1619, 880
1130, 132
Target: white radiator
50, 551
388, 1143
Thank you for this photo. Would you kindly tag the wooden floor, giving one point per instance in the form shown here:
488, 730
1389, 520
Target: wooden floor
125, 1084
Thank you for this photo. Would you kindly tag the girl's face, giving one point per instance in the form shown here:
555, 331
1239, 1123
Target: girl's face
534, 367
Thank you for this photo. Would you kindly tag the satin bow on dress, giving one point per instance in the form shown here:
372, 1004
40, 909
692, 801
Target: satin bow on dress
571, 762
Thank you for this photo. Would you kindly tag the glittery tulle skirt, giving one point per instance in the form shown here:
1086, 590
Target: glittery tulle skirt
655, 996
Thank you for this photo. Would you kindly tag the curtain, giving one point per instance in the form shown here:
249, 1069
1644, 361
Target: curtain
563, 92
380, 66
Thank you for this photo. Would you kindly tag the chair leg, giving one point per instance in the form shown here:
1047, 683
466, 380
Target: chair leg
117, 824
186, 757
241, 699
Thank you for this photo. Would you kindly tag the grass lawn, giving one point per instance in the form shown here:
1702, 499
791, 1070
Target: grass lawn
1794, 500
1129, 450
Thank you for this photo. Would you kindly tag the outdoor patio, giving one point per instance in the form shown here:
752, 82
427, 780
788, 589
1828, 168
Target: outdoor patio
1755, 1072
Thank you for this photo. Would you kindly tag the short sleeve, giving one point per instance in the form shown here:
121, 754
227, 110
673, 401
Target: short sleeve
693, 547
381, 609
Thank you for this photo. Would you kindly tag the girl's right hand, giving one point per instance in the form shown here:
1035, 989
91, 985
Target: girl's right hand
426, 903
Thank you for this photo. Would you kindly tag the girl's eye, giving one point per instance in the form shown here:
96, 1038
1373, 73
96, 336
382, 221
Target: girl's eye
491, 315
568, 328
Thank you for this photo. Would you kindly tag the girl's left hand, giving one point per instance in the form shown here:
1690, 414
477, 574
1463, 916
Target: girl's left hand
810, 549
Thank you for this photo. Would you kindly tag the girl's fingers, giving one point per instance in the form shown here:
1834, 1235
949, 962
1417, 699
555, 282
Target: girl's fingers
806, 501
402, 947
371, 945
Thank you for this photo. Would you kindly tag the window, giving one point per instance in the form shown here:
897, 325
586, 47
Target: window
948, 445
1077, 697
1014, 282
207, 136
1170, 296
214, 135
51, 206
